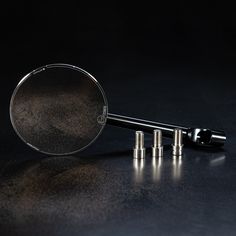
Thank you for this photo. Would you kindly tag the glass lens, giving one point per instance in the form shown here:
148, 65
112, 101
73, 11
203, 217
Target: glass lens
58, 109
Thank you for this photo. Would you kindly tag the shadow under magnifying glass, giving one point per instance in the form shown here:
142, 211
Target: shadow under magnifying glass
62, 188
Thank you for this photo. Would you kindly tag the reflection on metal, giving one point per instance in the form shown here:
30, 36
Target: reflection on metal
156, 169
177, 168
138, 165
178, 143
217, 160
157, 148
214, 160
139, 150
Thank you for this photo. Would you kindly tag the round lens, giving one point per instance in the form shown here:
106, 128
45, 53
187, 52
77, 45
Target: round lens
58, 109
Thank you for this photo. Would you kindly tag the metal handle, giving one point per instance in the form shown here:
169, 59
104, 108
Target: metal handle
196, 136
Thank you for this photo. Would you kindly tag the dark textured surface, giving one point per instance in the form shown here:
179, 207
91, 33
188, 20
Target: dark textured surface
114, 196
103, 192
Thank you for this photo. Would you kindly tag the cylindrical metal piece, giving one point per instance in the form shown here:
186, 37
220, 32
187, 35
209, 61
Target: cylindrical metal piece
178, 143
157, 148
139, 139
157, 140
178, 137
139, 150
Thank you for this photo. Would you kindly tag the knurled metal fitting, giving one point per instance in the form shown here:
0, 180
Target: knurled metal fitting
139, 150
157, 148
177, 146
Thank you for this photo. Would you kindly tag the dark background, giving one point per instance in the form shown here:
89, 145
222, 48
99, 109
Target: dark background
171, 62
117, 42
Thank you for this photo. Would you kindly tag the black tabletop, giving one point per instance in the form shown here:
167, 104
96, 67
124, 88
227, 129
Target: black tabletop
104, 191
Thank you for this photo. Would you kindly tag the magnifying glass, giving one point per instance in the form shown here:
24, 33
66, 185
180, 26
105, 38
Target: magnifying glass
60, 109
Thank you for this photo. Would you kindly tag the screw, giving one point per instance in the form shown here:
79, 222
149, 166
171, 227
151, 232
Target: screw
177, 146
139, 150
157, 148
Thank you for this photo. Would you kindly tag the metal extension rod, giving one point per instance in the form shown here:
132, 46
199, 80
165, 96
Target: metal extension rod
196, 136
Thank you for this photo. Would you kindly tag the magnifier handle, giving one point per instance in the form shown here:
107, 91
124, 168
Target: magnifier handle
196, 136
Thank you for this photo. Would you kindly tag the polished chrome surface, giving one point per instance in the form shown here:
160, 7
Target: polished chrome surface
177, 146
139, 149
157, 148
